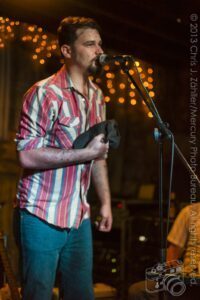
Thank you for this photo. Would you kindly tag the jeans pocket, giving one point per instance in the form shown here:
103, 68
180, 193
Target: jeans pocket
38, 235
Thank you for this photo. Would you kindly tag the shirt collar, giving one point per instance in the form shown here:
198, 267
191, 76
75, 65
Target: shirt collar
63, 80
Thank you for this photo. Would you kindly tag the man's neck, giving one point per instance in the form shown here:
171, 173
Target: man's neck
79, 79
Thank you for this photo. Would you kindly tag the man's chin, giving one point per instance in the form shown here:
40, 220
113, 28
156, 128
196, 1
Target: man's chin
94, 69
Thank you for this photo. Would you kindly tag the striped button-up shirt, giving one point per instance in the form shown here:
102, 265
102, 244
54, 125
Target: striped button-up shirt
54, 113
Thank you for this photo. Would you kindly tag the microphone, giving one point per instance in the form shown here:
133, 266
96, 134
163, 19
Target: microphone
106, 59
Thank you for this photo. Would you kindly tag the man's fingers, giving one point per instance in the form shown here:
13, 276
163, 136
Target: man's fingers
105, 224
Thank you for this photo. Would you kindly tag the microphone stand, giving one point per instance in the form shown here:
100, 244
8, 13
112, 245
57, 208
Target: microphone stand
160, 135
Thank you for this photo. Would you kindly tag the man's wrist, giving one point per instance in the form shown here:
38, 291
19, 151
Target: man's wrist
106, 204
90, 154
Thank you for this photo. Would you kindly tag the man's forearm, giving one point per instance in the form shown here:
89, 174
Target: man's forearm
100, 181
50, 158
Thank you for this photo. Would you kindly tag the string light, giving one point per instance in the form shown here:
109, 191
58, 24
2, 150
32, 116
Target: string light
106, 67
150, 70
107, 99
122, 86
108, 75
133, 101
31, 28
131, 72
42, 61
151, 94
112, 91
150, 86
121, 100
109, 84
132, 86
150, 115
6, 31
131, 94
44, 45
150, 79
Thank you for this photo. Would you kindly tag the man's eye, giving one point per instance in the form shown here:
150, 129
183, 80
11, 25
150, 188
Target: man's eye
89, 44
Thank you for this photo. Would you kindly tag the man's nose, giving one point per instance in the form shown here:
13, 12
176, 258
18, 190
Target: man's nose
99, 50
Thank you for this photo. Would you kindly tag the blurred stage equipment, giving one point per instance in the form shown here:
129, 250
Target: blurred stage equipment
122, 255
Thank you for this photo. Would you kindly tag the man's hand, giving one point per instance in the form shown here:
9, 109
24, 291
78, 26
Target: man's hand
98, 146
105, 218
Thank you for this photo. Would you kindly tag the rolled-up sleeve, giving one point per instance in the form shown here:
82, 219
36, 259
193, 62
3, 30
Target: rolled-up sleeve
36, 120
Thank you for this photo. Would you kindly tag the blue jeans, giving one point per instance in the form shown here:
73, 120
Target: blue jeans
47, 249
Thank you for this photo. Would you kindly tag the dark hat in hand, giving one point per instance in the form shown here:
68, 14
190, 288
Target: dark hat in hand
109, 128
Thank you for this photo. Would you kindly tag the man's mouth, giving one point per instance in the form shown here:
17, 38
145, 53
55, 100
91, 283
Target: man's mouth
96, 61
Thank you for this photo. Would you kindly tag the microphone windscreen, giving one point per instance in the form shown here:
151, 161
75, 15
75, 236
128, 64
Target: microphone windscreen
102, 59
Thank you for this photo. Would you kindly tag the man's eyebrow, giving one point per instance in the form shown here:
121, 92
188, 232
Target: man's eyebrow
89, 41
93, 41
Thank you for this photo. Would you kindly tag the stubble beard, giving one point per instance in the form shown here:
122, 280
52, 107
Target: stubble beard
94, 68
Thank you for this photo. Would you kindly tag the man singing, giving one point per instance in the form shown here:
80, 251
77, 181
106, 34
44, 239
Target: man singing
52, 192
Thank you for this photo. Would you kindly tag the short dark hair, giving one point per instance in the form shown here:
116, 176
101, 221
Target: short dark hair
68, 27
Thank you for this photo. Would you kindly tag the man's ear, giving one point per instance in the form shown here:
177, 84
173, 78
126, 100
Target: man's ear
66, 51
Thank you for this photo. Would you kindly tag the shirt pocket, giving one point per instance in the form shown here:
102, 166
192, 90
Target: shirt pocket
68, 128
69, 121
